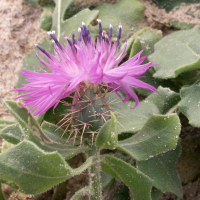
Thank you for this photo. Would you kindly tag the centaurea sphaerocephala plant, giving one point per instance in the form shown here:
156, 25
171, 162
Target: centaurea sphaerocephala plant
78, 64
109, 134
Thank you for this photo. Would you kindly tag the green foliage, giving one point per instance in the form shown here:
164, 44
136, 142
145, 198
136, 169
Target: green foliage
106, 179
138, 183
54, 133
176, 53
155, 194
145, 39
82, 192
108, 134
4, 123
12, 134
181, 25
162, 170
34, 133
34, 170
158, 135
38, 161
46, 17
127, 12
162, 102
122, 193
190, 102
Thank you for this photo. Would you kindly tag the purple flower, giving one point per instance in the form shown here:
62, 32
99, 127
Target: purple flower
80, 63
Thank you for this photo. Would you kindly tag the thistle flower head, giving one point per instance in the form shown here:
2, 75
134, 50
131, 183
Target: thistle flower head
78, 64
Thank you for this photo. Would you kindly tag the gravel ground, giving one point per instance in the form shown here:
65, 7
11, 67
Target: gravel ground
19, 30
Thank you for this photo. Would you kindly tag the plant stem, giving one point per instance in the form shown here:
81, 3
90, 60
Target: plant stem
95, 175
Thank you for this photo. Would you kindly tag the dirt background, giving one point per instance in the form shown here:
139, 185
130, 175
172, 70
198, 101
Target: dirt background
20, 30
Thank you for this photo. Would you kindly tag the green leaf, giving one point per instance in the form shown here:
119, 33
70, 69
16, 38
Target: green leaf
122, 193
54, 133
162, 170
181, 25
72, 24
12, 134
176, 53
108, 134
33, 132
145, 39
30, 126
4, 123
58, 14
46, 17
132, 120
190, 103
139, 184
33, 170
158, 135
155, 194
82, 192
127, 12
106, 179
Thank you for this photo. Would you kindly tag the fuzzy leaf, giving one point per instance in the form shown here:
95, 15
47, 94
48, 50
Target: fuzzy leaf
158, 135
190, 103
12, 134
162, 170
176, 53
46, 17
139, 184
82, 192
33, 132
4, 123
155, 194
33, 170
133, 119
72, 24
181, 25
127, 12
144, 40
108, 134
122, 193
106, 179
54, 133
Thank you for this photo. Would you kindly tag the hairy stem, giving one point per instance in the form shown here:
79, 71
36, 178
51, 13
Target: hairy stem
95, 175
